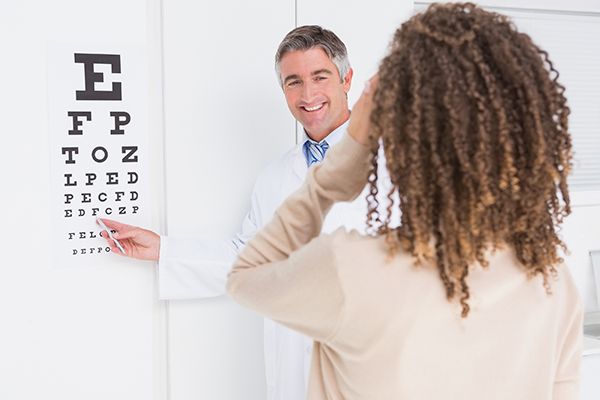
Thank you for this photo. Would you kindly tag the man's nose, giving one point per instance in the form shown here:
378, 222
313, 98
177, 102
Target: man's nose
308, 91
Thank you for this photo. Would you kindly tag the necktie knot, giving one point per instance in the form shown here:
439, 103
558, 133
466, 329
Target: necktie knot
315, 152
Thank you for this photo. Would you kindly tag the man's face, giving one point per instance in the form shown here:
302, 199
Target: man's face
313, 91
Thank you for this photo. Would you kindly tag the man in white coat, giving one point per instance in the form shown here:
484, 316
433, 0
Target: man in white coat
315, 75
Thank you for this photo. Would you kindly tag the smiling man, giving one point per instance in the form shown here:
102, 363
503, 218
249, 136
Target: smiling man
314, 72
315, 82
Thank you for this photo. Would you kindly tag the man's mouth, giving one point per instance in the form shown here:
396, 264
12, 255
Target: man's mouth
313, 108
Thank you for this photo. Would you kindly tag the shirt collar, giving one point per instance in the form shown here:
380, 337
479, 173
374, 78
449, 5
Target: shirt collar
332, 138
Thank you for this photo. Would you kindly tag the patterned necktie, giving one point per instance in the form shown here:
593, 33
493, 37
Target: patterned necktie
315, 152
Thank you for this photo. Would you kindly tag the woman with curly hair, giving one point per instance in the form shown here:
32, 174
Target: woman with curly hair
467, 296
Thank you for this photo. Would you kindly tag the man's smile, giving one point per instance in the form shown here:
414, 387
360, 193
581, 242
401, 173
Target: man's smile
313, 108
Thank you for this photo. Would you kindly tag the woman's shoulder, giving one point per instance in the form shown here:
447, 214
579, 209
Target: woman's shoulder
353, 243
344, 235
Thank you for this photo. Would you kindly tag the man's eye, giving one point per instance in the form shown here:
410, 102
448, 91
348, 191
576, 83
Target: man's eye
293, 83
320, 78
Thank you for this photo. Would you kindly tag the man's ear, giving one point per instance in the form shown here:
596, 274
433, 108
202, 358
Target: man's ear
348, 80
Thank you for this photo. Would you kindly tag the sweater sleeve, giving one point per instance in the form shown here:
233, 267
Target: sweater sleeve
286, 272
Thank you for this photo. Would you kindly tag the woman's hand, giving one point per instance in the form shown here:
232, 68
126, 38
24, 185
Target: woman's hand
359, 126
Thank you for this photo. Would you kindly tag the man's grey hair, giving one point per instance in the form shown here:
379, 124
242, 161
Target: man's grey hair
309, 36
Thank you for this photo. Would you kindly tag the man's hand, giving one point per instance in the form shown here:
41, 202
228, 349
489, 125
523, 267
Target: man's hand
138, 242
359, 126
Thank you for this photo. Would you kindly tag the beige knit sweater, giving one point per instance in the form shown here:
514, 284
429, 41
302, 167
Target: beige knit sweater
384, 329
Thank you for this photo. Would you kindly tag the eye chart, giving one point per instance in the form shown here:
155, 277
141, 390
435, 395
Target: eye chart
98, 115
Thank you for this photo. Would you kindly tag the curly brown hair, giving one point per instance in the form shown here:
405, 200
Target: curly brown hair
474, 126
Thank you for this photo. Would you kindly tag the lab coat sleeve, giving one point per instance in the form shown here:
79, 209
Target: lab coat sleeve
286, 272
195, 269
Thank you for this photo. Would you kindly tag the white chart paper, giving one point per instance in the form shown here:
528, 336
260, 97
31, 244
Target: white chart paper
98, 113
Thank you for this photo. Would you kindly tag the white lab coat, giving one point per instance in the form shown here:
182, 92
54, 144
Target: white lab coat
198, 269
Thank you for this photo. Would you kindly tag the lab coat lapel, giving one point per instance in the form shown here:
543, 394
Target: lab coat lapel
299, 166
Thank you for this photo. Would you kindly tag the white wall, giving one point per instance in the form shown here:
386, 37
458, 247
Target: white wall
572, 6
224, 119
73, 333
